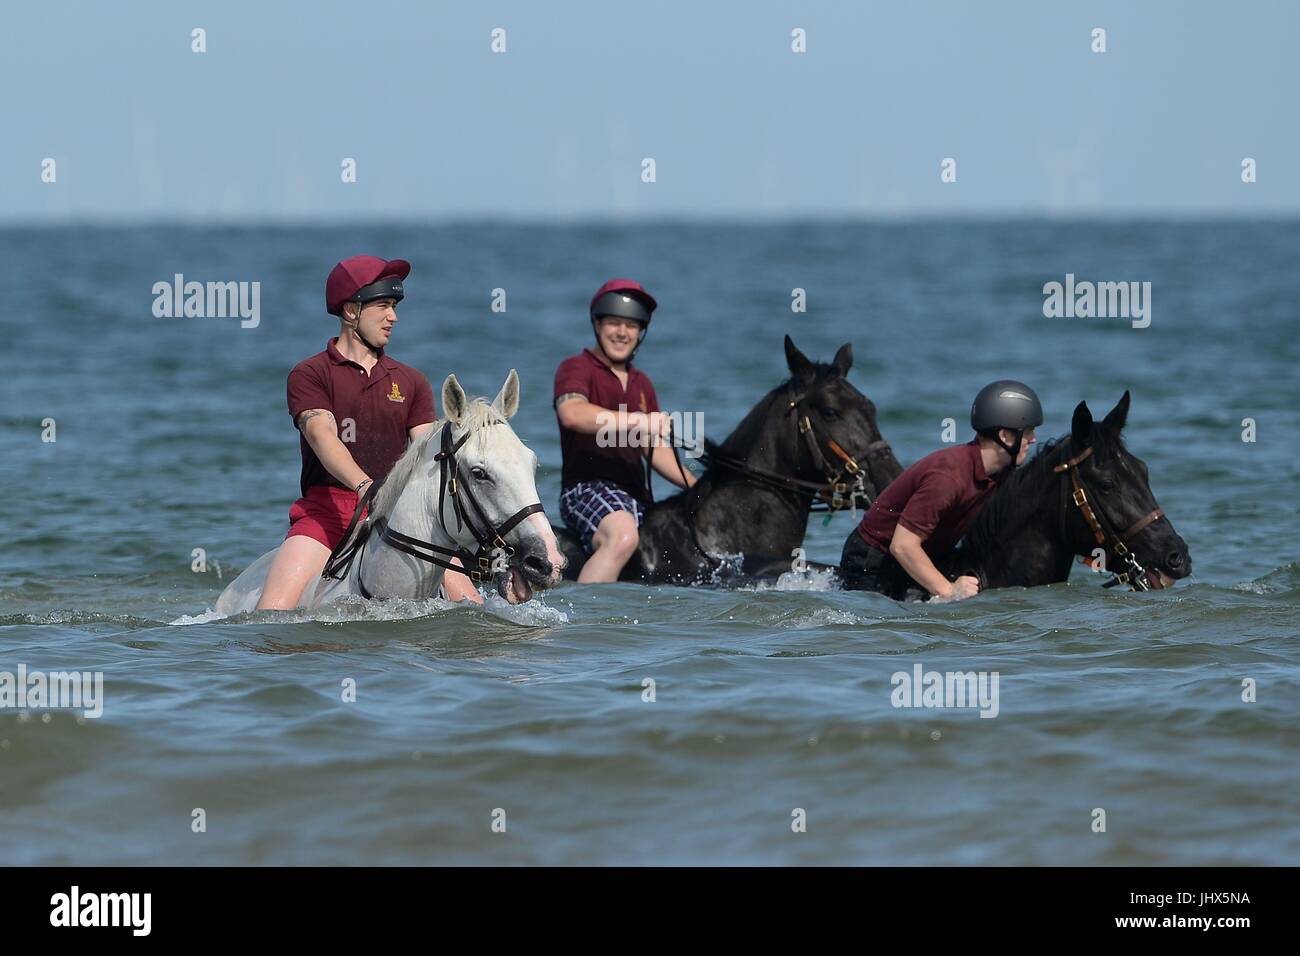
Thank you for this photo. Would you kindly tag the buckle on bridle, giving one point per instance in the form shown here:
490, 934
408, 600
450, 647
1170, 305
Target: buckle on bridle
804, 424
451, 486
1080, 499
1120, 548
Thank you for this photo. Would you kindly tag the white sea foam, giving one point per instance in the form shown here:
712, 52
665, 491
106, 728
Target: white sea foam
809, 579
205, 618
534, 613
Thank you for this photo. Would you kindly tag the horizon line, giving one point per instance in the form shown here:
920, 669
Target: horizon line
674, 219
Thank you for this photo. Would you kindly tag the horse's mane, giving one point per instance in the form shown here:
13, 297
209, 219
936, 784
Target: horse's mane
479, 413
744, 436
1019, 496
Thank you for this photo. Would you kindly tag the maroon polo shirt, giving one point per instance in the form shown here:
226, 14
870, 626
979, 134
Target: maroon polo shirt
383, 405
935, 499
584, 459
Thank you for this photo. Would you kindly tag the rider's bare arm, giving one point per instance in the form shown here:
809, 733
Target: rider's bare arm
322, 433
665, 462
575, 412
906, 548
420, 430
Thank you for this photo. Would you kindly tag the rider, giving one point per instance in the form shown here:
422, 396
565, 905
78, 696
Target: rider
355, 408
920, 517
608, 412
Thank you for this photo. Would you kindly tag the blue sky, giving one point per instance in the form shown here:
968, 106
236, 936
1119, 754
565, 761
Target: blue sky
256, 128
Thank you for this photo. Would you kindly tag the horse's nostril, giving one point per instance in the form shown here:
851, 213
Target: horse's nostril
539, 564
1175, 560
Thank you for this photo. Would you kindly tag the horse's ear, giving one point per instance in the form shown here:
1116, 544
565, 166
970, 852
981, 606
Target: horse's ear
454, 402
507, 401
1117, 417
800, 367
1081, 426
843, 360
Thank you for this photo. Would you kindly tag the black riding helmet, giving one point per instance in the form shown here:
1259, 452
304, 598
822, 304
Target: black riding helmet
1006, 404
389, 287
625, 299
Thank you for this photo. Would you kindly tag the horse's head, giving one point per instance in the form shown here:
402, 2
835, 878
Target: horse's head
839, 413
1116, 487
496, 469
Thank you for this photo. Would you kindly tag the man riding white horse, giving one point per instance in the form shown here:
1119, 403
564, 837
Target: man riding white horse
355, 408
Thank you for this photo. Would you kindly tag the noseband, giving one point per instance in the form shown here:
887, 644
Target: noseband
1134, 575
490, 539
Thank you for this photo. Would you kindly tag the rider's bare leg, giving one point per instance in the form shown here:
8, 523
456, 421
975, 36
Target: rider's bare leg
613, 543
299, 560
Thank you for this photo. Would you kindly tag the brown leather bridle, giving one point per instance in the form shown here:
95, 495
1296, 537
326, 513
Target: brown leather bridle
837, 492
1134, 575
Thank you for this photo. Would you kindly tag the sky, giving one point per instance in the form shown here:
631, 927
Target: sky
558, 126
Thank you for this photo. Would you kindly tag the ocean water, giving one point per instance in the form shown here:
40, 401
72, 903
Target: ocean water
772, 706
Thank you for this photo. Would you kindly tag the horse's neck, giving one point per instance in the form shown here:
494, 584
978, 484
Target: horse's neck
732, 500
776, 447
387, 572
1030, 555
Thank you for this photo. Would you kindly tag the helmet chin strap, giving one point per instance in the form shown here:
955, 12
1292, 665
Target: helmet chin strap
1013, 449
357, 333
645, 330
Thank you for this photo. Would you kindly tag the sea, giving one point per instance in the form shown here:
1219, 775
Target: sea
146, 458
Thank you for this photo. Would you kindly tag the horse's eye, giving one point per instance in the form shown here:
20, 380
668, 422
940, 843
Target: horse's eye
478, 473
830, 414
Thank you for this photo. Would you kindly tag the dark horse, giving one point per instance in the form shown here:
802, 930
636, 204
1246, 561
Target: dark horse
1080, 494
806, 439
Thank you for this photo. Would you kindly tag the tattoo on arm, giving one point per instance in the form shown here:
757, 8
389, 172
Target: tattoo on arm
567, 396
305, 417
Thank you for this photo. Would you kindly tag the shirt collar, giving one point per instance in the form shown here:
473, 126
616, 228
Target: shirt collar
338, 358
980, 473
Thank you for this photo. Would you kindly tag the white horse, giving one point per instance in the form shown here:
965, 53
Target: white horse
464, 490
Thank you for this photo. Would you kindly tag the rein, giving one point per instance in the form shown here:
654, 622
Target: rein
477, 564
835, 494
1134, 575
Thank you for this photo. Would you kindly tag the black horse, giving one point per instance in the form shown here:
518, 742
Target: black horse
1082, 493
808, 439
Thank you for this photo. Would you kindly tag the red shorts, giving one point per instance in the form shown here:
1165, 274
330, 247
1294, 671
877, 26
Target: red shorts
323, 514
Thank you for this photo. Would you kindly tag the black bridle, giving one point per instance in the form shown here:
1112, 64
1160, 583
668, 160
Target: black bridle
836, 493
1133, 574
477, 564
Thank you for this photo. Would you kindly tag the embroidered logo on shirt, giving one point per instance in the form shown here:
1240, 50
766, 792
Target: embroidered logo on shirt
396, 394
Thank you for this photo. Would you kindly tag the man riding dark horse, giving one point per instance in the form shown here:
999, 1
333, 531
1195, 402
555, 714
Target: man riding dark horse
918, 520
608, 413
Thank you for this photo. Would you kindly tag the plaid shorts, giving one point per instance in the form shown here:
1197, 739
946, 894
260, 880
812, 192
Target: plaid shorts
584, 505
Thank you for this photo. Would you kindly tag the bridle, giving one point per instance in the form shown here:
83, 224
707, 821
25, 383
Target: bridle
490, 539
837, 493
1134, 575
